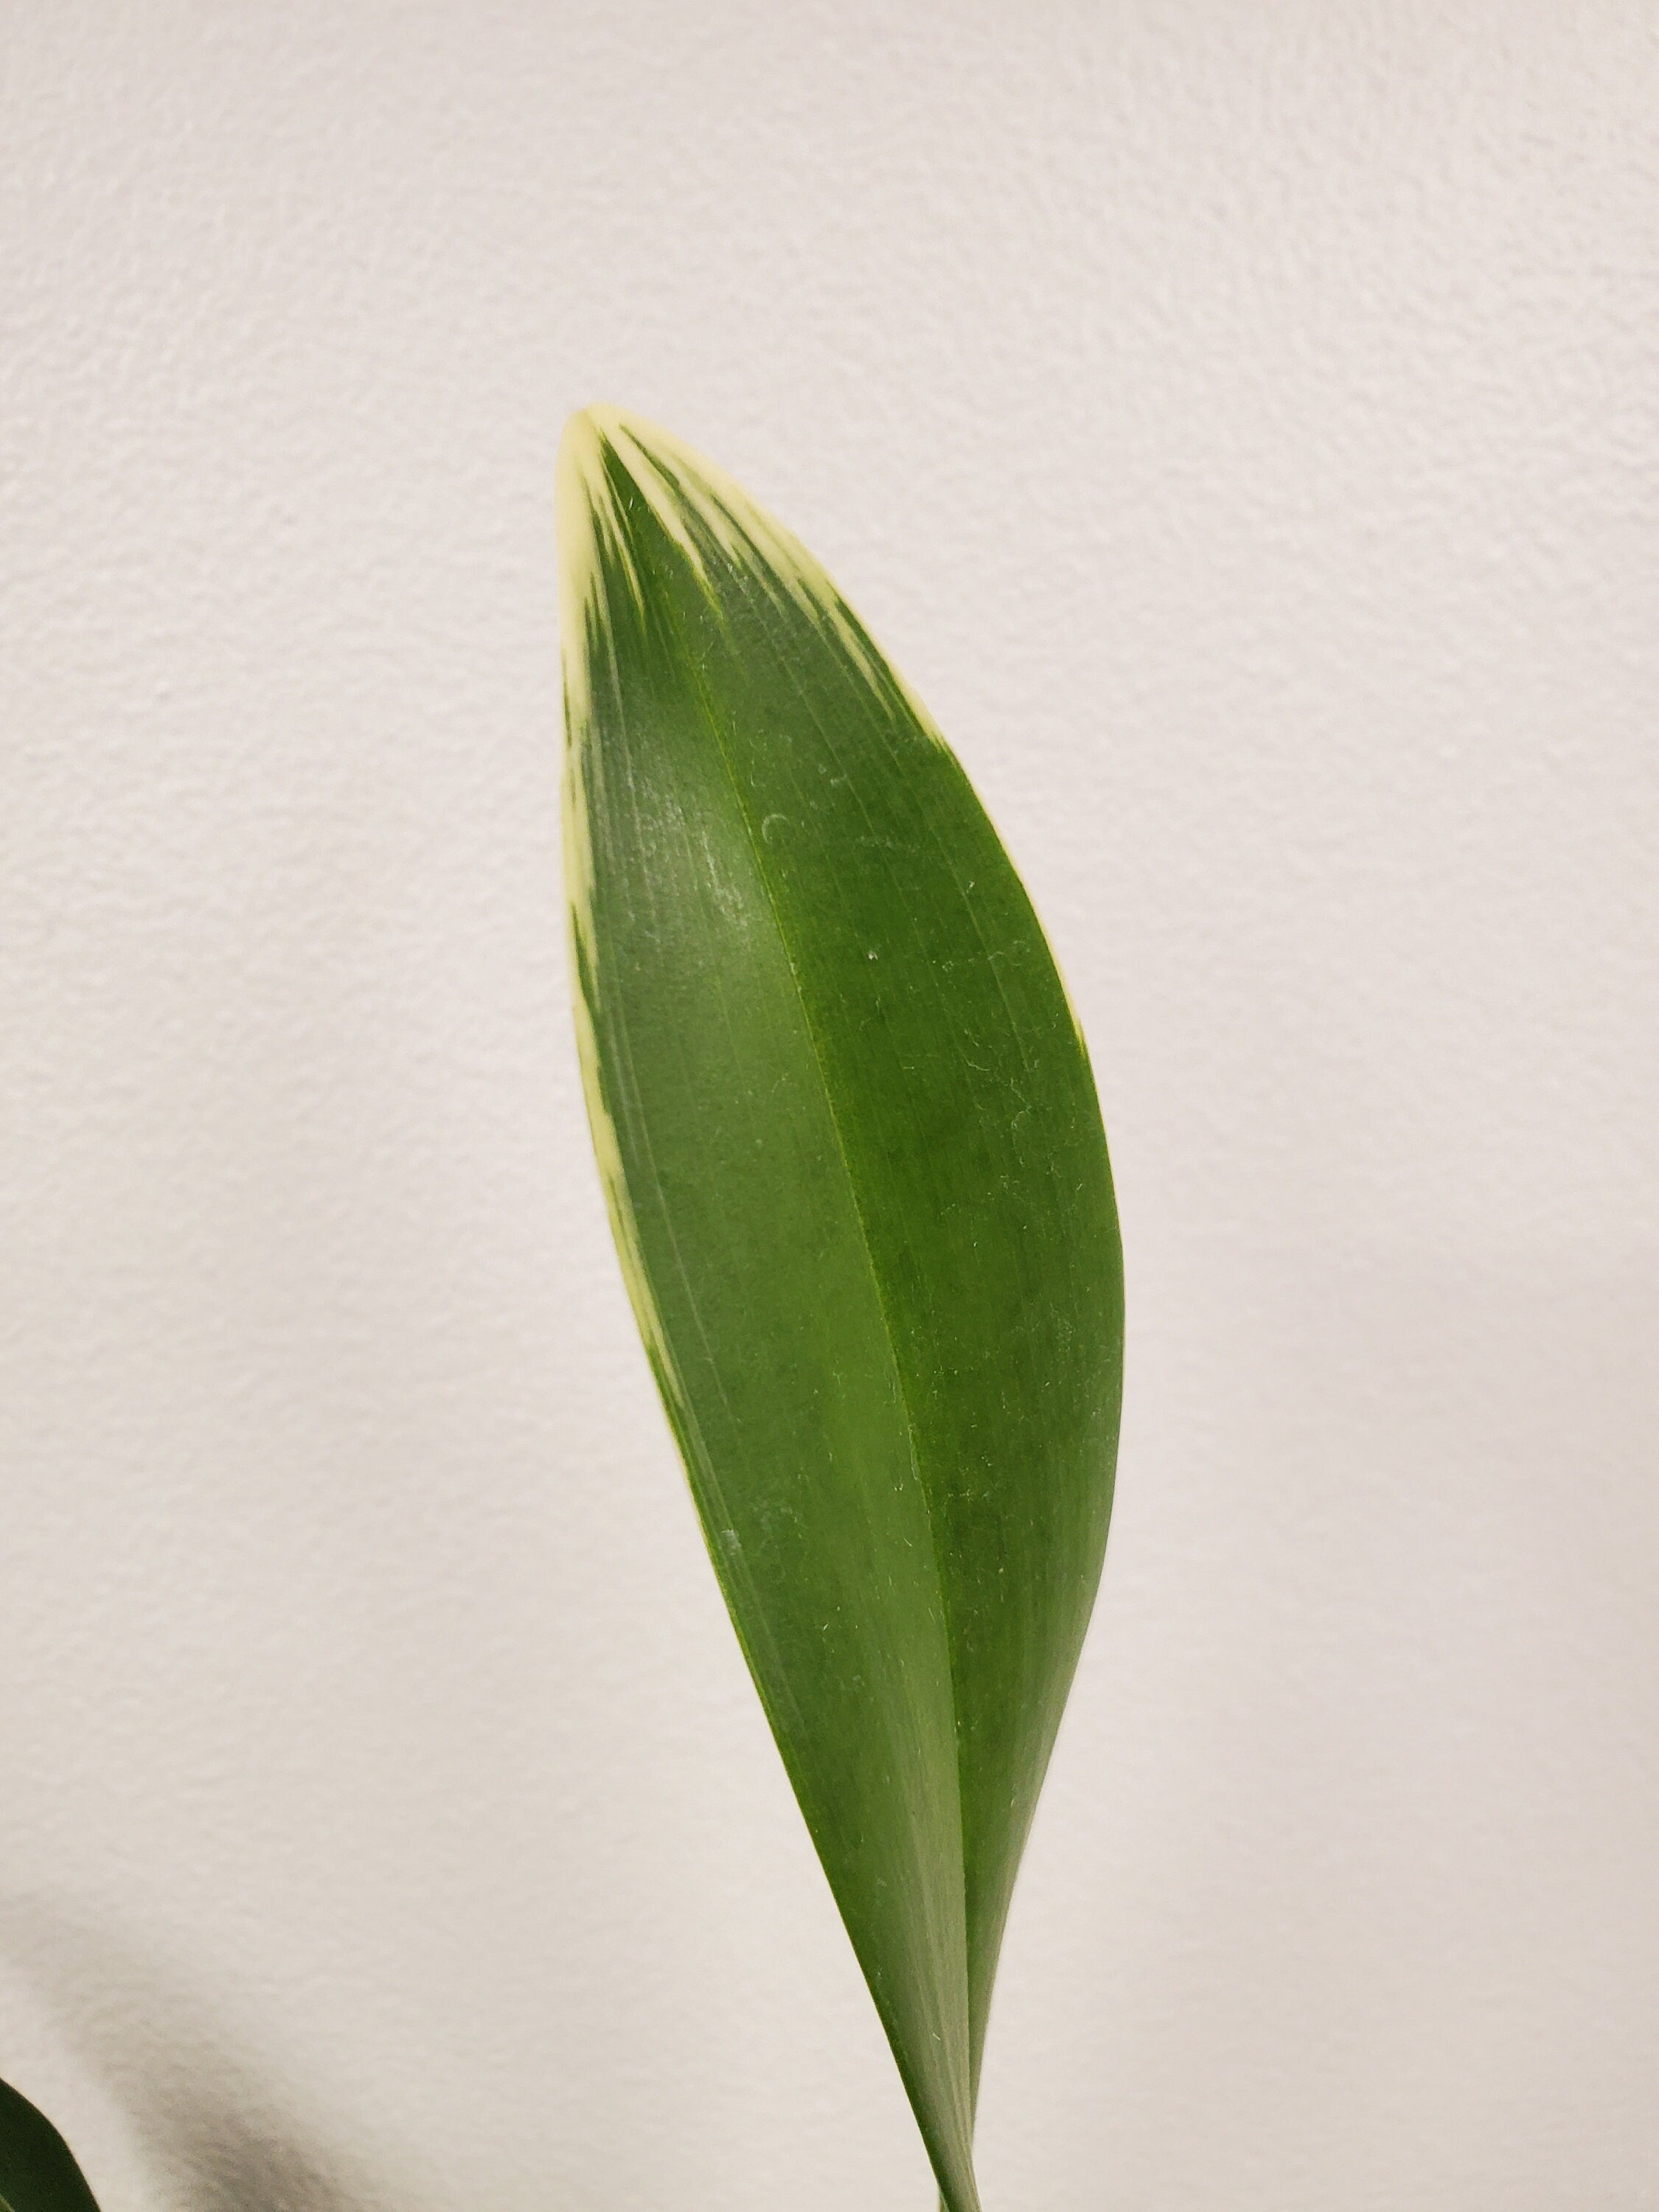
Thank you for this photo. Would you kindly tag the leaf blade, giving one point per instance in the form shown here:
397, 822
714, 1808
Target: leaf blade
38, 2170
785, 891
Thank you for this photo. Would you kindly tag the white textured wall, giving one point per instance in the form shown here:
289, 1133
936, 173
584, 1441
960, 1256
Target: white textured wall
1240, 423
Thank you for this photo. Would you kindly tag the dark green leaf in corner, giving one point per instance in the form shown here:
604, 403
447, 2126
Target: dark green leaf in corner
855, 1168
37, 2173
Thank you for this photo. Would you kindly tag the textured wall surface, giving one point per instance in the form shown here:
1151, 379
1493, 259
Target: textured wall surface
1240, 424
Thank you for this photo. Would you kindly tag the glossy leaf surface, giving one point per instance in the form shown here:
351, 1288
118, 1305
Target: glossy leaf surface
857, 1176
38, 2172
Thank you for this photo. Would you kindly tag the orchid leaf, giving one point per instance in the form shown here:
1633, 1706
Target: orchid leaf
38, 2172
854, 1164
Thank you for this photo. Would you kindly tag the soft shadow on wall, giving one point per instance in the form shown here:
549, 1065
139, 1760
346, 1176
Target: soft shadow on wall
201, 2113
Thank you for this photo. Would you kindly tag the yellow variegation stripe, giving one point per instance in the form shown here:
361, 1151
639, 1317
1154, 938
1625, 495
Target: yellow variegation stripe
686, 492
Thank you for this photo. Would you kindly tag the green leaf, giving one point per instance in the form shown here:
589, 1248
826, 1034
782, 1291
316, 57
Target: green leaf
37, 2173
856, 1172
